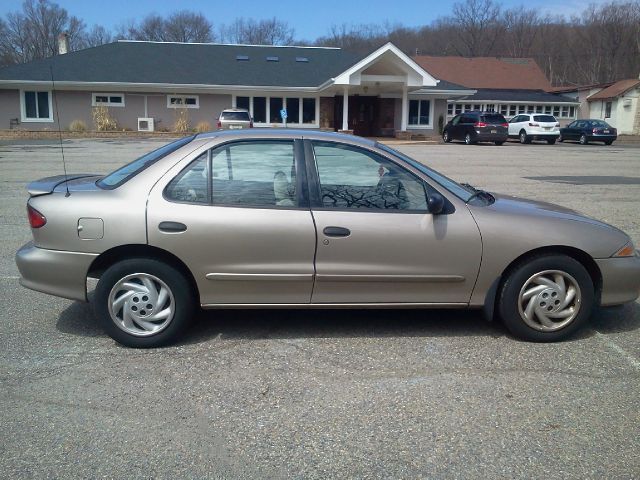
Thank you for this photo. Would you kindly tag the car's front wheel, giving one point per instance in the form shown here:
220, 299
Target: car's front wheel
546, 298
143, 302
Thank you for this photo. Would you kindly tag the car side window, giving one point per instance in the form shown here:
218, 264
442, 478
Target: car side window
355, 178
190, 185
456, 120
254, 174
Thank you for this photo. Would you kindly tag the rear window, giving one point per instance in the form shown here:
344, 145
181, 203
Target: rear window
493, 119
235, 116
544, 118
599, 124
121, 175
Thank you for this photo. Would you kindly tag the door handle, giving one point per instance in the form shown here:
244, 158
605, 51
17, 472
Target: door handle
172, 227
336, 232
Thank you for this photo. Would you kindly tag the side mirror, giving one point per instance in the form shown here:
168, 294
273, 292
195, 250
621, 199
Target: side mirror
435, 202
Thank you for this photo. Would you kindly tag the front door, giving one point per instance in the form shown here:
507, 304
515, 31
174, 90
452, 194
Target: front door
377, 241
235, 215
362, 115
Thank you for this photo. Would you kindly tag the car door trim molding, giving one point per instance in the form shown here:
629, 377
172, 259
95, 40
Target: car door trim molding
405, 305
391, 278
270, 277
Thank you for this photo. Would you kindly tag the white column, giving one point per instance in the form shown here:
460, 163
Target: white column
405, 110
345, 109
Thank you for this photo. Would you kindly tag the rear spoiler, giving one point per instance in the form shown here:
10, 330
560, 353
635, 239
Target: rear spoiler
47, 185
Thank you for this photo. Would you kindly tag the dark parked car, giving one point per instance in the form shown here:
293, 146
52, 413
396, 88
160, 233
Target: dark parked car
474, 127
586, 131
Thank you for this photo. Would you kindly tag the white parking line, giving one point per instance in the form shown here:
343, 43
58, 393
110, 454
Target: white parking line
10, 277
614, 346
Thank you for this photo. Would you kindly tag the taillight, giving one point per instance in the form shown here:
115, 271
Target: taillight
557, 124
36, 219
480, 124
534, 124
219, 124
505, 124
595, 130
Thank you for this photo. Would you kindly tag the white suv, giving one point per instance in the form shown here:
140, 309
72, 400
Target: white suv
534, 126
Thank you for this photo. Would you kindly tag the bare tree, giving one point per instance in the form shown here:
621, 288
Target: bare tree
522, 26
33, 32
98, 35
478, 26
185, 26
257, 32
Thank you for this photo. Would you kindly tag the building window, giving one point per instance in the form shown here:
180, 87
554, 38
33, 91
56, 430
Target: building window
107, 99
565, 112
521, 108
36, 106
572, 112
538, 108
504, 109
260, 109
607, 110
243, 102
512, 110
467, 108
308, 110
449, 108
530, 109
490, 107
547, 109
419, 112
183, 101
275, 105
458, 108
293, 110
556, 111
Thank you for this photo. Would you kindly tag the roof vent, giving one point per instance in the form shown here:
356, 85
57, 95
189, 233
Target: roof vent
242, 58
302, 59
273, 59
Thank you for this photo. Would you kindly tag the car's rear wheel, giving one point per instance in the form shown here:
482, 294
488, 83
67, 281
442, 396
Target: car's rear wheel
608, 142
551, 141
583, 140
560, 139
445, 137
524, 138
468, 140
143, 302
498, 143
546, 298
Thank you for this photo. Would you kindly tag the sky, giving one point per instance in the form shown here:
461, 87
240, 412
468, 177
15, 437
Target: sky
310, 20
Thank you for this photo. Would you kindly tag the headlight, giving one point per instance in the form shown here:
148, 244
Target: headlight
627, 251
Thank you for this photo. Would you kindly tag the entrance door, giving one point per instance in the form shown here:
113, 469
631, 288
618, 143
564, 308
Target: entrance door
362, 115
377, 241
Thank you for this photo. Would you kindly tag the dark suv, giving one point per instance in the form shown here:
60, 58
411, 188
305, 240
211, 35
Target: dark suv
473, 127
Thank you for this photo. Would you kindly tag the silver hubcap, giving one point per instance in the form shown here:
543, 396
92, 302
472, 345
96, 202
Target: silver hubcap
523, 138
467, 139
141, 304
549, 300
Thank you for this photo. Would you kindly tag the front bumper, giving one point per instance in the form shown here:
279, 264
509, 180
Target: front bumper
56, 272
620, 279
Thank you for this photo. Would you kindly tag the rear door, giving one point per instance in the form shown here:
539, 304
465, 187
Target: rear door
238, 217
377, 241
515, 124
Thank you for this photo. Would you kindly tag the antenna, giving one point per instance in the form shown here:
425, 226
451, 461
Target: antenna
55, 100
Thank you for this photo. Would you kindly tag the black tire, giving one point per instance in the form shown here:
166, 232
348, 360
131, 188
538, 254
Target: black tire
498, 143
183, 299
468, 140
560, 139
445, 137
509, 294
583, 140
608, 142
551, 141
524, 138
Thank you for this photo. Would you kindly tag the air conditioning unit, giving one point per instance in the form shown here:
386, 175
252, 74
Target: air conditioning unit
145, 124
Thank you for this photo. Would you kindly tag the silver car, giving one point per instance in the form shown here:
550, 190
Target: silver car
300, 219
234, 119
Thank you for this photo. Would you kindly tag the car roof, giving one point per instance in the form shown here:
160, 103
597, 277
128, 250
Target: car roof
261, 133
235, 110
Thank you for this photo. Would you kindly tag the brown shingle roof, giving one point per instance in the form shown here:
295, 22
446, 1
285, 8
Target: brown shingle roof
615, 90
487, 72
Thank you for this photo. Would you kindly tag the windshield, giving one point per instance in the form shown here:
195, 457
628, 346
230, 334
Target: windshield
239, 116
464, 193
121, 175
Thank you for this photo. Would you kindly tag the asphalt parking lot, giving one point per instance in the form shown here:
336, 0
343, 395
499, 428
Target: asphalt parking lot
324, 394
